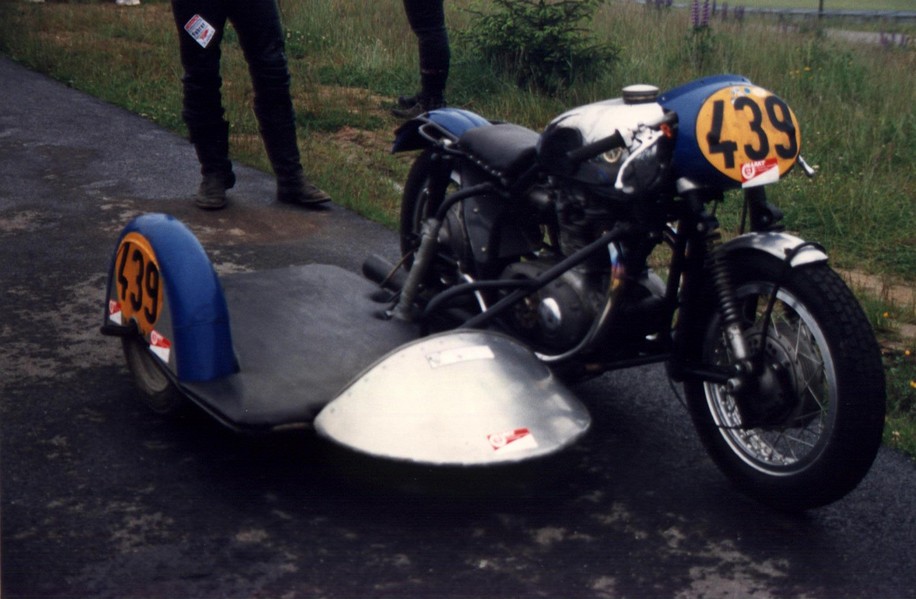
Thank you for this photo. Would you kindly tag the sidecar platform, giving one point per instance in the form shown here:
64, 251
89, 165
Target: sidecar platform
300, 335
309, 346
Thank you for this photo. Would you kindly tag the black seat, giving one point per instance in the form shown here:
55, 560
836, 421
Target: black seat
504, 151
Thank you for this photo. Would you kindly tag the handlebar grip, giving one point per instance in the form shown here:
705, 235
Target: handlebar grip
595, 148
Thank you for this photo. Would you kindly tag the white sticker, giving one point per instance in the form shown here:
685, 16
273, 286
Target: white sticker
200, 30
461, 354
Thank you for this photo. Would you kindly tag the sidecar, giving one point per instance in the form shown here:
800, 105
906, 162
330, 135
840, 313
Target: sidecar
312, 347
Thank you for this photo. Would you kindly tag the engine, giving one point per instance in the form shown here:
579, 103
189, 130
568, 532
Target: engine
558, 316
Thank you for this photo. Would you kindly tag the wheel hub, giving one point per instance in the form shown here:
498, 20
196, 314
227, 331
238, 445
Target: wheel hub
773, 395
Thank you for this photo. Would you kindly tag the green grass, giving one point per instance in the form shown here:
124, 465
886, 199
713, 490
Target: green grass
350, 59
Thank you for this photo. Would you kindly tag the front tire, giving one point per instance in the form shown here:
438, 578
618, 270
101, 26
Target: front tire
823, 371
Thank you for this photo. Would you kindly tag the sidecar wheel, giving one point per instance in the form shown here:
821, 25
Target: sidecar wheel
158, 392
823, 379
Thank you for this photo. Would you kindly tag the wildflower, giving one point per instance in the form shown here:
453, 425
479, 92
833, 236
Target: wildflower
913, 384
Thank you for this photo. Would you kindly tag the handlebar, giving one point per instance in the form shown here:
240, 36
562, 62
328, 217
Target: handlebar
616, 140
595, 148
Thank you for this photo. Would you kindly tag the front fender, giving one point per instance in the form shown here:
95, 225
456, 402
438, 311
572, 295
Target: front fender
435, 126
777, 244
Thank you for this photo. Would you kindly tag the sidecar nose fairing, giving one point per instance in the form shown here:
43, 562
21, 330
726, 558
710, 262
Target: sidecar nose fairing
465, 398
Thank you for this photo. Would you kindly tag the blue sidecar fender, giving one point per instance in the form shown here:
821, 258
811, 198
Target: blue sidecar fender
162, 285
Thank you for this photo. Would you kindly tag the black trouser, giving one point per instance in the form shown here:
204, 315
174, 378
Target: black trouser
260, 35
427, 20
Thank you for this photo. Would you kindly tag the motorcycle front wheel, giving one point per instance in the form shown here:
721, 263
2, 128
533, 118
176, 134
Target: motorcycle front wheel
821, 374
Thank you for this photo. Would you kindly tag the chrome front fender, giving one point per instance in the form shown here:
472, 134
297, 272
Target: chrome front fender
779, 245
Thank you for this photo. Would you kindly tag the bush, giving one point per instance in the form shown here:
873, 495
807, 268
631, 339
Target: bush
540, 43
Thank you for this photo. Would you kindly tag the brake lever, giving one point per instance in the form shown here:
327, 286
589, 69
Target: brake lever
648, 137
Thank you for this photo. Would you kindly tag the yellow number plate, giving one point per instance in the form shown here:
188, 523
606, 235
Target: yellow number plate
748, 134
138, 282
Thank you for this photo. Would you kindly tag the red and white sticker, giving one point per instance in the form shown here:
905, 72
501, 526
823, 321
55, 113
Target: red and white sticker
759, 172
114, 312
200, 30
160, 346
517, 439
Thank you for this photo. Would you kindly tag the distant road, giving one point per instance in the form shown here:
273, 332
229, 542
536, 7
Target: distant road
809, 12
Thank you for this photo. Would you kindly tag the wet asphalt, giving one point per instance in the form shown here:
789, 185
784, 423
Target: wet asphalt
101, 498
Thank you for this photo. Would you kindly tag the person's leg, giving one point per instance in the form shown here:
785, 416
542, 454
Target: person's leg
202, 109
427, 20
260, 32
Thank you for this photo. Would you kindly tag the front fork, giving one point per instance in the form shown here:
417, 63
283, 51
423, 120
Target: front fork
706, 240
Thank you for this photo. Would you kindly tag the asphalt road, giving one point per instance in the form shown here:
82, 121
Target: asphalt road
100, 498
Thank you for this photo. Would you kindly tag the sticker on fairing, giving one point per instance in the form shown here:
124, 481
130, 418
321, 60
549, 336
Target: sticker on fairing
200, 30
760, 172
160, 346
114, 312
517, 439
458, 355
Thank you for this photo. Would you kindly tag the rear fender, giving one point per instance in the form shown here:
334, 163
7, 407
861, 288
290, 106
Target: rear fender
435, 127
162, 286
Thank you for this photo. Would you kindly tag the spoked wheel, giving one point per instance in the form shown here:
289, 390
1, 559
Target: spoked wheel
158, 392
807, 429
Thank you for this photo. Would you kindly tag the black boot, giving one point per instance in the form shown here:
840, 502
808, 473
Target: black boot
296, 189
283, 151
421, 104
212, 146
211, 195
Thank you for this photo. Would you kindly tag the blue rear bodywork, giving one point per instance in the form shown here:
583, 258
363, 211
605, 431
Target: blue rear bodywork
448, 123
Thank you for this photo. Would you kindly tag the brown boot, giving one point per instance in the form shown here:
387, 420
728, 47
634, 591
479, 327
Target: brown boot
211, 195
300, 191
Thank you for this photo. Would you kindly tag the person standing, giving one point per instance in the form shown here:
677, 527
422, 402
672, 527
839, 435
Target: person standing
427, 20
201, 25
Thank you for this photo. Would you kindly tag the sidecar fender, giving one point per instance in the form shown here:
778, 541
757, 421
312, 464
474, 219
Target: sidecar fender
777, 244
461, 398
162, 285
434, 126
